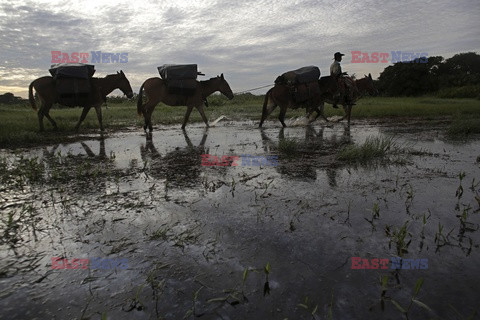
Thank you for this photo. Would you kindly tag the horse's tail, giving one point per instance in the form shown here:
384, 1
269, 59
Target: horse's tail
265, 105
30, 96
139, 101
265, 102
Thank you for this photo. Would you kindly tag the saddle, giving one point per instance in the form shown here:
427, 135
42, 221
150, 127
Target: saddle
180, 79
73, 83
303, 82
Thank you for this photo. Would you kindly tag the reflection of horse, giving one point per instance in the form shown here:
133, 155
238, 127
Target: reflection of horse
314, 151
101, 87
156, 91
82, 168
181, 167
363, 86
282, 95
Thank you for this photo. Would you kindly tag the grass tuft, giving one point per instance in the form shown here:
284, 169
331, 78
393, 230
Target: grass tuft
372, 148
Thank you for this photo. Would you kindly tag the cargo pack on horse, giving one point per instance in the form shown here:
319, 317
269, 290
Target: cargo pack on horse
361, 87
184, 92
47, 89
300, 88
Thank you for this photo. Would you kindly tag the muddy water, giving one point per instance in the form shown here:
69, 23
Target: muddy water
187, 232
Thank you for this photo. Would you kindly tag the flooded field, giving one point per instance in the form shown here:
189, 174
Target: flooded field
168, 238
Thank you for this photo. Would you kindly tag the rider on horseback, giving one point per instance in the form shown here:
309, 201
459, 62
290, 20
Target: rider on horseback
346, 87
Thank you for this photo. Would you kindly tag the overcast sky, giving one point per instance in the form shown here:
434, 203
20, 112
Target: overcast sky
251, 42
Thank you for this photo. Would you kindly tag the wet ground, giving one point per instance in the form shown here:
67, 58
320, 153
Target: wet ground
242, 242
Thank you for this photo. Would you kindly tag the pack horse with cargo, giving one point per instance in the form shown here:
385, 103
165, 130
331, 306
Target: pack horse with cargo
178, 86
73, 85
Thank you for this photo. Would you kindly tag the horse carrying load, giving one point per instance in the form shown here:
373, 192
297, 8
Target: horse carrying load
298, 81
181, 79
73, 82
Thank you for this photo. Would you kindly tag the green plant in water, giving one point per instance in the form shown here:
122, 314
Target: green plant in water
399, 238
288, 146
372, 148
266, 286
413, 300
375, 215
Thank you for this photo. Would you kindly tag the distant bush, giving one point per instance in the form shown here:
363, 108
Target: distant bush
120, 99
239, 99
9, 98
472, 91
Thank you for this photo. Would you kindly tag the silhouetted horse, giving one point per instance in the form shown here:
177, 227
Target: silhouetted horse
363, 86
282, 95
156, 91
101, 87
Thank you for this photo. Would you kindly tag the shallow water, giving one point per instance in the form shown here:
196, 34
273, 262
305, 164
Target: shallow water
188, 232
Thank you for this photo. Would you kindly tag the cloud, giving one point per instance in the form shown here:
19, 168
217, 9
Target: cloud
251, 42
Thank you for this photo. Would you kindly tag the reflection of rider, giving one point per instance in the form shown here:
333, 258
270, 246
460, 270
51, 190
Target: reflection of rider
336, 71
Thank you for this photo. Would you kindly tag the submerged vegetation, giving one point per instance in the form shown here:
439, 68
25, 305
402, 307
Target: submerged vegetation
464, 127
374, 148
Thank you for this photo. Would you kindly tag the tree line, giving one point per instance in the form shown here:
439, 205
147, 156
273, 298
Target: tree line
456, 77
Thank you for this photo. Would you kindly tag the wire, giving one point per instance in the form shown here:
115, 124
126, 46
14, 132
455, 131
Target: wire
245, 91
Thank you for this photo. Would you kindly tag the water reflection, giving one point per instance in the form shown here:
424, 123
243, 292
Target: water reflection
180, 168
82, 168
301, 157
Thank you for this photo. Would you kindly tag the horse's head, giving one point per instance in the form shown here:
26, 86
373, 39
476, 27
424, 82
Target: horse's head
124, 85
370, 87
224, 87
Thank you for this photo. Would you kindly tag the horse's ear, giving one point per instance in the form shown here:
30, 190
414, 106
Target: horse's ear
221, 76
121, 72
370, 76
118, 72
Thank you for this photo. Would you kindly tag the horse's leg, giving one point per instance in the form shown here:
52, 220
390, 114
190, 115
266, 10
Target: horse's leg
268, 107
98, 109
281, 116
268, 111
47, 115
147, 114
187, 115
202, 113
349, 113
320, 112
345, 109
40, 115
82, 117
